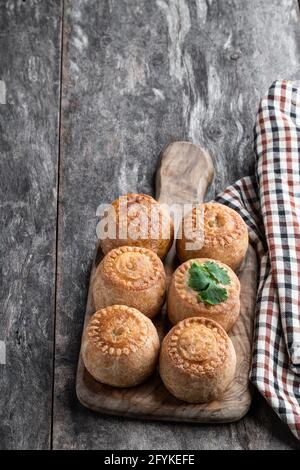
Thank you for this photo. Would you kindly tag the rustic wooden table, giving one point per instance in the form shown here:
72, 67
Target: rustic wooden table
90, 92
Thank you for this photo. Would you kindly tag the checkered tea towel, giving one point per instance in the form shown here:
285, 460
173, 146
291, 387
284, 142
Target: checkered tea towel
269, 202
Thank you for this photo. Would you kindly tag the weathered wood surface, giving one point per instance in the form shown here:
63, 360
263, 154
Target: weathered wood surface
29, 112
183, 176
137, 75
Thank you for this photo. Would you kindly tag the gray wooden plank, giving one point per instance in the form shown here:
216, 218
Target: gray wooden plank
137, 75
29, 112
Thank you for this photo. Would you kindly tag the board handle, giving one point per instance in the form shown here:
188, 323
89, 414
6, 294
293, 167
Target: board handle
184, 174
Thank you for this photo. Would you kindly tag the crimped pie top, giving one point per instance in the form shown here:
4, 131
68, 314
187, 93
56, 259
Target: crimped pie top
132, 267
131, 208
220, 223
189, 295
118, 330
197, 345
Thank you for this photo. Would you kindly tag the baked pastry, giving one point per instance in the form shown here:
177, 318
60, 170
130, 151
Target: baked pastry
120, 346
207, 288
213, 230
138, 220
132, 276
197, 360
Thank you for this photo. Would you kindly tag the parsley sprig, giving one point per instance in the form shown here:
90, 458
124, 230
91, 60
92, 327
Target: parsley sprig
207, 279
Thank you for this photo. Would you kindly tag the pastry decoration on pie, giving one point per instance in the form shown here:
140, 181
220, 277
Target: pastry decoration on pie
120, 346
132, 276
203, 287
137, 220
197, 360
213, 230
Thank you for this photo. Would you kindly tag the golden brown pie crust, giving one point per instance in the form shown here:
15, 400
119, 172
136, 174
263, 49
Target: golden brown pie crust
222, 231
120, 346
183, 301
132, 276
156, 234
197, 360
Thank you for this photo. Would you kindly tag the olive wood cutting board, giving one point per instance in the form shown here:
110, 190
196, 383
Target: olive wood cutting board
183, 176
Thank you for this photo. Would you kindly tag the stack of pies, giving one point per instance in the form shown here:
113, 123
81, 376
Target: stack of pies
121, 347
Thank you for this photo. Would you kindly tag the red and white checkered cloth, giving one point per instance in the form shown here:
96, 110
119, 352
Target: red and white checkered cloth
269, 202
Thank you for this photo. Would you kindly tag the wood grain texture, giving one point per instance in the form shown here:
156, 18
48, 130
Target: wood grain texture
136, 76
29, 112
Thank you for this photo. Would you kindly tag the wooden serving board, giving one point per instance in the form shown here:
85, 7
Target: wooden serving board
184, 175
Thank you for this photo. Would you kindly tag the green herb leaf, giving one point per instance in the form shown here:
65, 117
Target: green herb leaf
218, 273
206, 279
199, 277
213, 295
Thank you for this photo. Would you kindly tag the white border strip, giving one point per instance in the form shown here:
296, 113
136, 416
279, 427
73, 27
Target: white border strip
2, 92
2, 353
